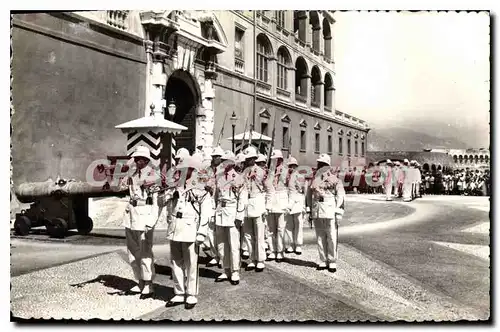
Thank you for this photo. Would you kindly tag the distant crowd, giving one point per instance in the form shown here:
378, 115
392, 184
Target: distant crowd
455, 182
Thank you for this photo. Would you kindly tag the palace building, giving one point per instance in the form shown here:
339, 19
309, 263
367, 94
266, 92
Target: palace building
77, 75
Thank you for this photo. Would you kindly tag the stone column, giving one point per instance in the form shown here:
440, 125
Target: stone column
305, 85
272, 72
328, 41
303, 26
317, 39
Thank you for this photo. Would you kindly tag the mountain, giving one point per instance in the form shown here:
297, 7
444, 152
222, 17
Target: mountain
403, 139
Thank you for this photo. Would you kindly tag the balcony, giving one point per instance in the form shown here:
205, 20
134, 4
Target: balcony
238, 53
117, 18
239, 66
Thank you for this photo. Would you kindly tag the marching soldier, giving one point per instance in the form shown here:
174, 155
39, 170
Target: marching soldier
296, 184
190, 207
328, 196
216, 155
253, 224
389, 180
418, 175
413, 179
407, 181
261, 162
229, 217
276, 205
139, 227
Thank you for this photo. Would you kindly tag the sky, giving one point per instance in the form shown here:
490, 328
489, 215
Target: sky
412, 69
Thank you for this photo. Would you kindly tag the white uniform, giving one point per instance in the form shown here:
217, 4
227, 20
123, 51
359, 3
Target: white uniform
297, 206
407, 183
327, 198
190, 213
230, 195
139, 226
388, 182
211, 241
277, 205
253, 225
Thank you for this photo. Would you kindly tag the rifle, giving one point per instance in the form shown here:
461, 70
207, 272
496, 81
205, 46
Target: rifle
222, 129
244, 135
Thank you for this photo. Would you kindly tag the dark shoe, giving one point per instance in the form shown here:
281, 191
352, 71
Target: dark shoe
259, 270
179, 300
333, 270
219, 266
171, 304
189, 306
146, 296
234, 282
321, 268
222, 277
250, 267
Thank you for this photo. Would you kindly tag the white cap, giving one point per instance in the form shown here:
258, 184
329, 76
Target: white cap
292, 161
190, 162
142, 151
240, 158
397, 163
182, 153
276, 154
389, 162
228, 155
406, 161
250, 152
324, 158
261, 158
217, 151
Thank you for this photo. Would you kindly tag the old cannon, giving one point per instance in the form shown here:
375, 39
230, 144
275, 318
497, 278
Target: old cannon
62, 205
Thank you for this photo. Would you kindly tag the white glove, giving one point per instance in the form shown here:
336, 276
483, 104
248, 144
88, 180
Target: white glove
200, 238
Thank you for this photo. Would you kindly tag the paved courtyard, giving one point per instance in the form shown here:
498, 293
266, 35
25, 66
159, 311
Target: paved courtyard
424, 260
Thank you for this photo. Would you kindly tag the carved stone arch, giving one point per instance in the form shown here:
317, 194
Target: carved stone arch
329, 129
349, 133
267, 43
341, 132
303, 123
317, 126
288, 56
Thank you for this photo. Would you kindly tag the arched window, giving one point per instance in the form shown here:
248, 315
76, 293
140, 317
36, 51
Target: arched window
263, 54
487, 158
455, 159
283, 63
329, 93
460, 159
315, 87
316, 29
301, 77
327, 36
426, 167
476, 159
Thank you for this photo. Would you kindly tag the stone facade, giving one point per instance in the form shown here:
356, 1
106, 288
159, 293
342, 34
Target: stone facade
77, 75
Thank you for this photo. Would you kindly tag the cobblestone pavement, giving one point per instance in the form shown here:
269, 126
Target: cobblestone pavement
424, 260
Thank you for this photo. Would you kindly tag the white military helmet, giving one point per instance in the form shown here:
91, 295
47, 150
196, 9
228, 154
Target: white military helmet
182, 153
389, 162
240, 158
250, 152
406, 161
228, 155
261, 158
292, 161
276, 154
190, 162
324, 158
217, 151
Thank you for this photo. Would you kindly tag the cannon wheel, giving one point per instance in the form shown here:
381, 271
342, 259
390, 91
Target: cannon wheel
84, 225
22, 225
57, 227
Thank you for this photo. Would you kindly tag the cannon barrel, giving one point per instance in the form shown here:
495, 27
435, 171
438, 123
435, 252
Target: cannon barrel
30, 192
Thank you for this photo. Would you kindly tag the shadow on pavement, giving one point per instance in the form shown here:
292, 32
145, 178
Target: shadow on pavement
299, 262
122, 285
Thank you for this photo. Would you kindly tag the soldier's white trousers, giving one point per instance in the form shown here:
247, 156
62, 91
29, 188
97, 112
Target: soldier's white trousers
277, 224
140, 253
254, 229
294, 229
407, 188
228, 243
417, 189
211, 240
184, 257
388, 190
327, 231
